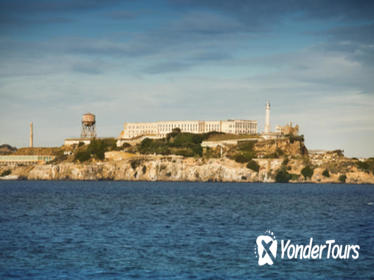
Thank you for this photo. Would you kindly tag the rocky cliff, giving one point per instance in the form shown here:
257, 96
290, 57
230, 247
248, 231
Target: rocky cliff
177, 168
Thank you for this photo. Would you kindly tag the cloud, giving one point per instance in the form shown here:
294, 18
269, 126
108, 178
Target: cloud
360, 33
166, 67
123, 15
188, 59
206, 23
267, 11
23, 7
24, 12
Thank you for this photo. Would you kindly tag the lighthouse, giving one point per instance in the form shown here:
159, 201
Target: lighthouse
267, 118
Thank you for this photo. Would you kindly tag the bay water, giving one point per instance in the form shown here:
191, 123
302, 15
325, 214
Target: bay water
178, 230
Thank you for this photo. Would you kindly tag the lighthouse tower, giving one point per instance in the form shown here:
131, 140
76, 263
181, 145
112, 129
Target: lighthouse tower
267, 118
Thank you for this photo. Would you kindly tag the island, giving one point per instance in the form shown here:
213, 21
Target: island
182, 156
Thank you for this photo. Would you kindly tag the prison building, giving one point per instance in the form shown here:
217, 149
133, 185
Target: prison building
162, 128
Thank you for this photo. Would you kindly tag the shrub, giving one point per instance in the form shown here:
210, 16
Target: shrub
282, 176
97, 148
82, 156
243, 157
294, 176
246, 145
294, 138
185, 144
326, 173
149, 146
279, 152
135, 163
253, 165
307, 172
5, 173
125, 145
342, 178
363, 165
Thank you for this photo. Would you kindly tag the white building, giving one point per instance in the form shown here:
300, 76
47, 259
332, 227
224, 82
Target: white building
161, 129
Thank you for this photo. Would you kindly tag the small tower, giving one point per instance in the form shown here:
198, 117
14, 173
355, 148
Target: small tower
267, 118
88, 126
31, 140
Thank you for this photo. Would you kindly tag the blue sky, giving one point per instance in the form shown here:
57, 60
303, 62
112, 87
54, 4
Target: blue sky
186, 59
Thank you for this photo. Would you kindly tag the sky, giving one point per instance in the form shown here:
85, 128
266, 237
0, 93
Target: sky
188, 60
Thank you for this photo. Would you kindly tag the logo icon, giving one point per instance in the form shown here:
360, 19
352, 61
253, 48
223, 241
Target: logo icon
266, 248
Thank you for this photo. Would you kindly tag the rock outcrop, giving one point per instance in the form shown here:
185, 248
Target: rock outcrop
177, 168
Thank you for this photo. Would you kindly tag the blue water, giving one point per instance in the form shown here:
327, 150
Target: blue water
143, 230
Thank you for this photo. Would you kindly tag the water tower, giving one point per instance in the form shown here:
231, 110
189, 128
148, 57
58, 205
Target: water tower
88, 126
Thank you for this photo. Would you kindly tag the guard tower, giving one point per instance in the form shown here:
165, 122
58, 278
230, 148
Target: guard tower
88, 126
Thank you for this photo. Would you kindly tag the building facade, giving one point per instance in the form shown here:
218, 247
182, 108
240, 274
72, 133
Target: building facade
161, 129
25, 159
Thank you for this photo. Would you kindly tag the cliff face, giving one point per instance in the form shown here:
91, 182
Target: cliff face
161, 169
158, 168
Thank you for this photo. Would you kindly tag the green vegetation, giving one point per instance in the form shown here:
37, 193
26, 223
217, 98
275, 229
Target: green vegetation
5, 173
211, 152
135, 163
253, 165
82, 156
6, 149
243, 152
326, 173
283, 176
285, 161
367, 165
307, 172
125, 145
95, 149
342, 178
243, 157
149, 146
59, 157
176, 142
294, 138
277, 154
294, 176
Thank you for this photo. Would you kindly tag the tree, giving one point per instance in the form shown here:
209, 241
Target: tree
326, 173
82, 156
253, 165
307, 172
342, 178
282, 176
5, 173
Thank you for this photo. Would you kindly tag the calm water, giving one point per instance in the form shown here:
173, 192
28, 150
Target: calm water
112, 230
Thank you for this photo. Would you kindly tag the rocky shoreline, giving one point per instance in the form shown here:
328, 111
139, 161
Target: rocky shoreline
177, 168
